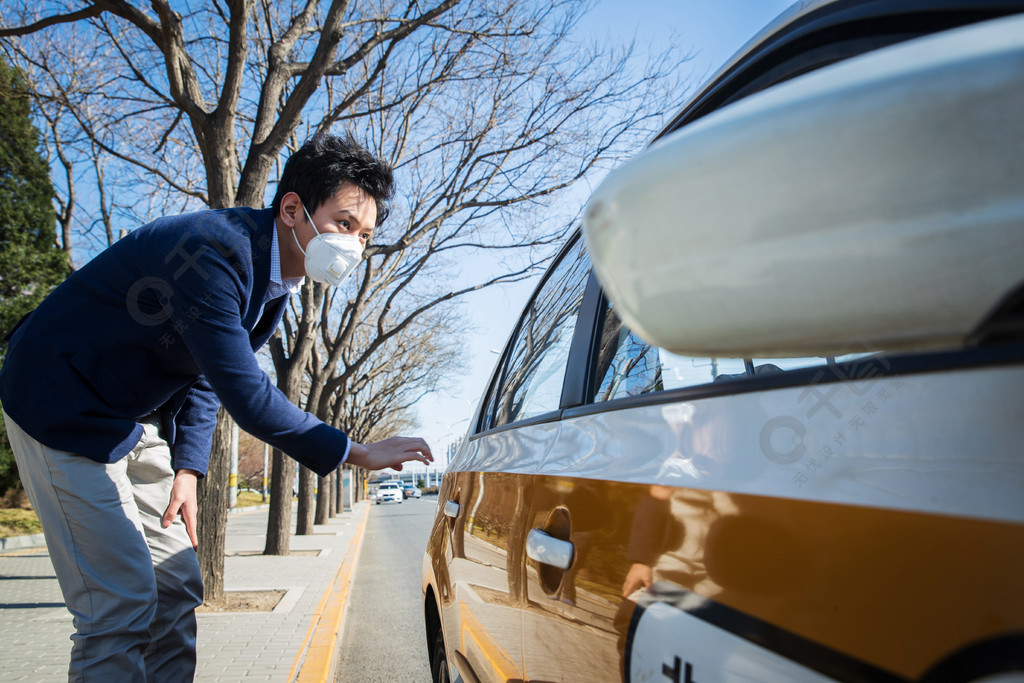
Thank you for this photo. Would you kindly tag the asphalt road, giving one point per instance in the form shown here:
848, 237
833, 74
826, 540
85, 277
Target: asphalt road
384, 638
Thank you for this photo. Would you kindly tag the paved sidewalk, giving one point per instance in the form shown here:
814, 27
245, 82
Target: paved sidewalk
296, 642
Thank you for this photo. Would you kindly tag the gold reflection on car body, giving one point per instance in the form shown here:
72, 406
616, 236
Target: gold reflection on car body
825, 572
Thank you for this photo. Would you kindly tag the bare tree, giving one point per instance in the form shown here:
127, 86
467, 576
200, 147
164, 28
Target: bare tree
487, 111
212, 519
377, 401
290, 351
65, 205
483, 172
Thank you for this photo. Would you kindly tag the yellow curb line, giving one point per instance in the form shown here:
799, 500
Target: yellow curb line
22, 551
315, 659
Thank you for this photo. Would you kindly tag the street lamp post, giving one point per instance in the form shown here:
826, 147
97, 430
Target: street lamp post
266, 467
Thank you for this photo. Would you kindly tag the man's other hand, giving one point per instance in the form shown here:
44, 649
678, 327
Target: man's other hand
183, 501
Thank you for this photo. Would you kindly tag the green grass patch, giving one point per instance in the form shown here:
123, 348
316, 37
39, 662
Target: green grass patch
18, 523
14, 522
247, 498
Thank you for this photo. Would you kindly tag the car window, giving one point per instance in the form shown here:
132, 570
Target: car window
531, 379
629, 366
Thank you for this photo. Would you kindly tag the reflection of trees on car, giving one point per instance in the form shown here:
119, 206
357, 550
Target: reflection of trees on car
459, 524
541, 344
625, 358
516, 557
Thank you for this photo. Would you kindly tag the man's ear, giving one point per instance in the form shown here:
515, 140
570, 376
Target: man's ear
290, 209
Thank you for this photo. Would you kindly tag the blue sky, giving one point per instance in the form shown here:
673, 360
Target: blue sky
713, 30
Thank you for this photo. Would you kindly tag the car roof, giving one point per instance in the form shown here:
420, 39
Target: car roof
824, 21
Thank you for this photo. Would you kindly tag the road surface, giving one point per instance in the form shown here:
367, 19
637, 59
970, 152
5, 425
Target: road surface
384, 638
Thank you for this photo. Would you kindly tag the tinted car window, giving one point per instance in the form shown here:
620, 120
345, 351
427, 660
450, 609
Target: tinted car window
531, 379
629, 366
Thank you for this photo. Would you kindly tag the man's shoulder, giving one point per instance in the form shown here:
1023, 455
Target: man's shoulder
231, 232
240, 221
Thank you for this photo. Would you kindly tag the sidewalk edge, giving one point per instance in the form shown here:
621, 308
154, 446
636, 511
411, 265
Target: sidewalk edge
18, 542
318, 653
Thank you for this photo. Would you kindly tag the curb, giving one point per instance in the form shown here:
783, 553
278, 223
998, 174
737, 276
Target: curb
241, 510
318, 654
19, 542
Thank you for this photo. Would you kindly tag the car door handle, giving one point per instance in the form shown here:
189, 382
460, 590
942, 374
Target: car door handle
546, 549
451, 509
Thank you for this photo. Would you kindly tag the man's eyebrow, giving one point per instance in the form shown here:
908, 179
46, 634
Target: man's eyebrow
353, 217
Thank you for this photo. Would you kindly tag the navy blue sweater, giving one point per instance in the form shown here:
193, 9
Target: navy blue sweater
166, 320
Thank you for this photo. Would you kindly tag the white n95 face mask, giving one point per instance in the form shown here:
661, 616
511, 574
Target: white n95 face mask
330, 257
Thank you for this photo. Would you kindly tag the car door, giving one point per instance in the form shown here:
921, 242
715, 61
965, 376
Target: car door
487, 494
590, 503
727, 520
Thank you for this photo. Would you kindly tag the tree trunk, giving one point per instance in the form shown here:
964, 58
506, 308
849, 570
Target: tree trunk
289, 364
516, 564
279, 522
307, 484
467, 500
323, 496
213, 511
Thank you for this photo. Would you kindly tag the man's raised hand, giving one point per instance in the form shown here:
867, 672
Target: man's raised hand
390, 452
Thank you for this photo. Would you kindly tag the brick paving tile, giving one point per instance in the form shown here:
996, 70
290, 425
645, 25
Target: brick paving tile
35, 627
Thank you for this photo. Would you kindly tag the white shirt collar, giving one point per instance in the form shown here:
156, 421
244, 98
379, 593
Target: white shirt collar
283, 285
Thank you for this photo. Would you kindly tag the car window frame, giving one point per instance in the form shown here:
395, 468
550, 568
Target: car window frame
581, 368
499, 375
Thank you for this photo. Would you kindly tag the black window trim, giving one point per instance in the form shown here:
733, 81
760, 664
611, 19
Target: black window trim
899, 365
551, 416
583, 351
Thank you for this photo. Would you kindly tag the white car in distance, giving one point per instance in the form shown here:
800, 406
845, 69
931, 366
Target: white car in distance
389, 491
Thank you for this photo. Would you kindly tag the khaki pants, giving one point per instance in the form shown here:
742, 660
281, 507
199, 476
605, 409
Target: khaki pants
131, 585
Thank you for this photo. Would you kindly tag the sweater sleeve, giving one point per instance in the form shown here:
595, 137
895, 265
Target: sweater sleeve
195, 423
207, 315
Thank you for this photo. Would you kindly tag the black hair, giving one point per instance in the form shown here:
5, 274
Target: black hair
318, 169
